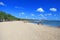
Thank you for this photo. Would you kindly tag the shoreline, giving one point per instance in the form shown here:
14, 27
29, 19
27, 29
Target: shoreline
18, 30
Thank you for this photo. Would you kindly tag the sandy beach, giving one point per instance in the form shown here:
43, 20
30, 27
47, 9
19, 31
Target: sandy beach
18, 30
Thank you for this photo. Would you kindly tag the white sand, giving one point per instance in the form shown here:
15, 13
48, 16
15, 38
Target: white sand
18, 30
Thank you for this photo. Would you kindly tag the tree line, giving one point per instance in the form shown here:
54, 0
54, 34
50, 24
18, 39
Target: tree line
7, 17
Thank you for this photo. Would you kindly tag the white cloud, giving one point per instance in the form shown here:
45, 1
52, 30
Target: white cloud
48, 14
54, 14
40, 10
53, 9
26, 17
33, 18
19, 7
32, 15
22, 13
2, 4
16, 7
43, 16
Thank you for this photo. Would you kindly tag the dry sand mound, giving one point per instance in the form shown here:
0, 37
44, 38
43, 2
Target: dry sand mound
18, 30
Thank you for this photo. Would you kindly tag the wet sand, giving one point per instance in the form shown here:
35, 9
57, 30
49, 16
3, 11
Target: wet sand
18, 30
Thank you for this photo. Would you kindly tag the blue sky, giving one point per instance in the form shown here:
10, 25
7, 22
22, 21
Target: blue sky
32, 9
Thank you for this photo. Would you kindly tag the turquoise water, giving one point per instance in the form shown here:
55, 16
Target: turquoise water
50, 23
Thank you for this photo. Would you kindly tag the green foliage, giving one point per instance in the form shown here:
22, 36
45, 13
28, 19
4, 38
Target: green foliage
8, 17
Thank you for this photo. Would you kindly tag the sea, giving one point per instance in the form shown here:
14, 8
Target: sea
54, 23
51, 23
